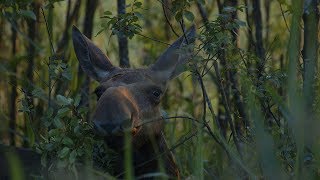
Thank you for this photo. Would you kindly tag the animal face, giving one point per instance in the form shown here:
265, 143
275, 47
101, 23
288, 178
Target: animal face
129, 99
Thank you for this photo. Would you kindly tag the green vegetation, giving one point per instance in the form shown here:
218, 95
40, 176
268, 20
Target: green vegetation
246, 107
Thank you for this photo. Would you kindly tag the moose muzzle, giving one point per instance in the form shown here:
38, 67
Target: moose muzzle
116, 112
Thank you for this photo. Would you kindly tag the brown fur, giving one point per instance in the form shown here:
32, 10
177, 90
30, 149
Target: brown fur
129, 100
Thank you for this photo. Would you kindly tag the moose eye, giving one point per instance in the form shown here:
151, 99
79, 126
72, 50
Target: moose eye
156, 93
99, 91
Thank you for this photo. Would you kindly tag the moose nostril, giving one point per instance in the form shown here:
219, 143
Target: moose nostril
106, 129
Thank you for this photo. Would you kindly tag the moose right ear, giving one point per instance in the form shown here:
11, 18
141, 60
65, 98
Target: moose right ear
91, 59
172, 62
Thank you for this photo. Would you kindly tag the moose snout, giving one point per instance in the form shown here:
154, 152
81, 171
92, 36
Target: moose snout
106, 129
115, 112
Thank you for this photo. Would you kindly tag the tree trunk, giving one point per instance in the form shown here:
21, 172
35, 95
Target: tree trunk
123, 41
167, 15
91, 7
234, 15
71, 15
202, 12
259, 40
249, 19
294, 100
310, 51
31, 51
32, 31
13, 81
267, 7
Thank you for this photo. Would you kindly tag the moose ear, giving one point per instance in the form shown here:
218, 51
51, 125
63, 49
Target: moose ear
171, 63
91, 59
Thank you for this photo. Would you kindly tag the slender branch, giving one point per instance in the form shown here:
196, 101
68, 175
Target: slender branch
48, 31
161, 119
167, 19
153, 39
227, 108
50, 59
284, 18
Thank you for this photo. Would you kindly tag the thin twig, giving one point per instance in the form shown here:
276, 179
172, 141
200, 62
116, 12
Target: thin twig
227, 107
153, 39
162, 118
284, 18
208, 102
167, 19
47, 27
164, 5
49, 63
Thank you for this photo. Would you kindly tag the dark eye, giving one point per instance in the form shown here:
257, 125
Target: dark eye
99, 91
156, 93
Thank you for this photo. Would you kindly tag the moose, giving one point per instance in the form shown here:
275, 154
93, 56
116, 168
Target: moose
128, 101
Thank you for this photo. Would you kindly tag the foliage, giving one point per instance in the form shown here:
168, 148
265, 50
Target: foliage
180, 8
70, 137
123, 25
16, 9
229, 118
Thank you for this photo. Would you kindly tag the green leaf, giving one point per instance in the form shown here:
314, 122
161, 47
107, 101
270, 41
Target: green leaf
178, 16
77, 100
67, 74
63, 65
137, 4
64, 152
57, 123
72, 157
63, 112
80, 152
28, 14
38, 93
49, 147
107, 13
25, 106
63, 100
49, 112
139, 15
46, 121
53, 132
240, 23
77, 129
229, 9
100, 31
189, 15
202, 2
67, 141
44, 160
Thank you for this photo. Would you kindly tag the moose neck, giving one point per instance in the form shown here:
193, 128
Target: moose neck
150, 156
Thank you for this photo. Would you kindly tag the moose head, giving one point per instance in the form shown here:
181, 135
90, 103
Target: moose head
129, 99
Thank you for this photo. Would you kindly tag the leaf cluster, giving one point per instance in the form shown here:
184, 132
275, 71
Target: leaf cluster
123, 25
13, 9
69, 137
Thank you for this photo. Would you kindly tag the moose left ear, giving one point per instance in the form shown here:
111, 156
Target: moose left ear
171, 63
91, 59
